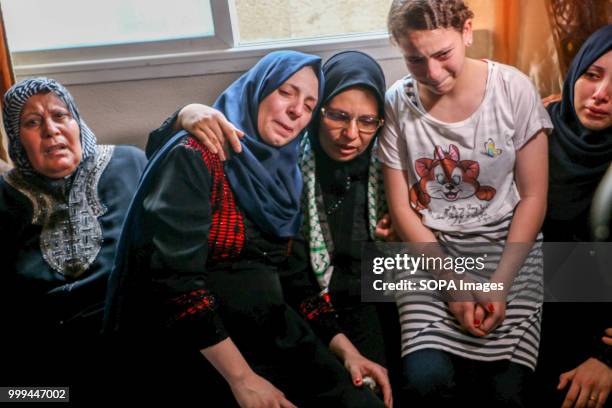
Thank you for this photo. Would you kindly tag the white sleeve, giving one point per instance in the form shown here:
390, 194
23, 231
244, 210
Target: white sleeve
529, 113
392, 149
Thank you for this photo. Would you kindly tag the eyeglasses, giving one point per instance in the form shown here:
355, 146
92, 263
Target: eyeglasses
341, 119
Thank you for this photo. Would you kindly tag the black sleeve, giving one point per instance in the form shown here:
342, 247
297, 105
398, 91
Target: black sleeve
303, 293
603, 353
15, 217
158, 137
177, 210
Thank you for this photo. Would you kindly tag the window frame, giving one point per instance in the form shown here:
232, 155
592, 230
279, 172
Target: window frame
176, 58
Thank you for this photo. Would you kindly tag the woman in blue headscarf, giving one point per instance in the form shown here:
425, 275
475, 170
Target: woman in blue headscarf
203, 246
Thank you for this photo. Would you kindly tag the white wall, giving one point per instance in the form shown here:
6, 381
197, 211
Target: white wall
125, 112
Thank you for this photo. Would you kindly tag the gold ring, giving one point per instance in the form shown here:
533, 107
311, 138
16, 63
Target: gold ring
593, 398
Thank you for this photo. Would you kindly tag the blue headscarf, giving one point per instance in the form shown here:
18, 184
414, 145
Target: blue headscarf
578, 156
266, 179
15, 99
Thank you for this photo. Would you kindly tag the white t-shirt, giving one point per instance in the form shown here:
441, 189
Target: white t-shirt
462, 174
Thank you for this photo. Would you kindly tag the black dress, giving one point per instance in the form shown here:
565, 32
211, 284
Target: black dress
580, 325
372, 327
213, 274
51, 320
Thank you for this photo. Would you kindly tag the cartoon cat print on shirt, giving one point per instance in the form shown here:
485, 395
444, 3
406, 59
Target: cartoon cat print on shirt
448, 178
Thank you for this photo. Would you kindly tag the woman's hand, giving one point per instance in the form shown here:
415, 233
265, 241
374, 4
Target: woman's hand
470, 316
496, 313
249, 389
477, 318
254, 391
474, 310
607, 339
384, 229
493, 305
211, 128
591, 385
359, 366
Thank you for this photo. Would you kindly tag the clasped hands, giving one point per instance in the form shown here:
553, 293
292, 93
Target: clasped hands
477, 312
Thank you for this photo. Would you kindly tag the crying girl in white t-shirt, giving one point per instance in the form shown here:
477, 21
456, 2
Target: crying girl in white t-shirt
465, 161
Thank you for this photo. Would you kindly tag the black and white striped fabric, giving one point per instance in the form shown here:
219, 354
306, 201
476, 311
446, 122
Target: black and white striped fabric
15, 99
429, 324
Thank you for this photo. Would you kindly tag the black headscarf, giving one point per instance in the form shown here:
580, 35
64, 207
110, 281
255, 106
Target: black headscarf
578, 157
343, 71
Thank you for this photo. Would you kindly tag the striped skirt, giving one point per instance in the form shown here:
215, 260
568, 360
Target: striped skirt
429, 324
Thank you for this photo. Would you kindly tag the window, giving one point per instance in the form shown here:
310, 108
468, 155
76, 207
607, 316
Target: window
72, 23
72, 31
84, 41
269, 20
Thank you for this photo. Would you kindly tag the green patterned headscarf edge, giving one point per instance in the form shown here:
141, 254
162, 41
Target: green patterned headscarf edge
315, 224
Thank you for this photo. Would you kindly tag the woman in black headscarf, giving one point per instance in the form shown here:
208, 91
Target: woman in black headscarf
580, 146
580, 150
344, 198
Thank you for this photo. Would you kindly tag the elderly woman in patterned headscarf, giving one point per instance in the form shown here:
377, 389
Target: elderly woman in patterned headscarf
61, 211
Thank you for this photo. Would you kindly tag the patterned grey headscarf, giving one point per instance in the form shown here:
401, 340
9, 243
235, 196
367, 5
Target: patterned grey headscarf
15, 99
